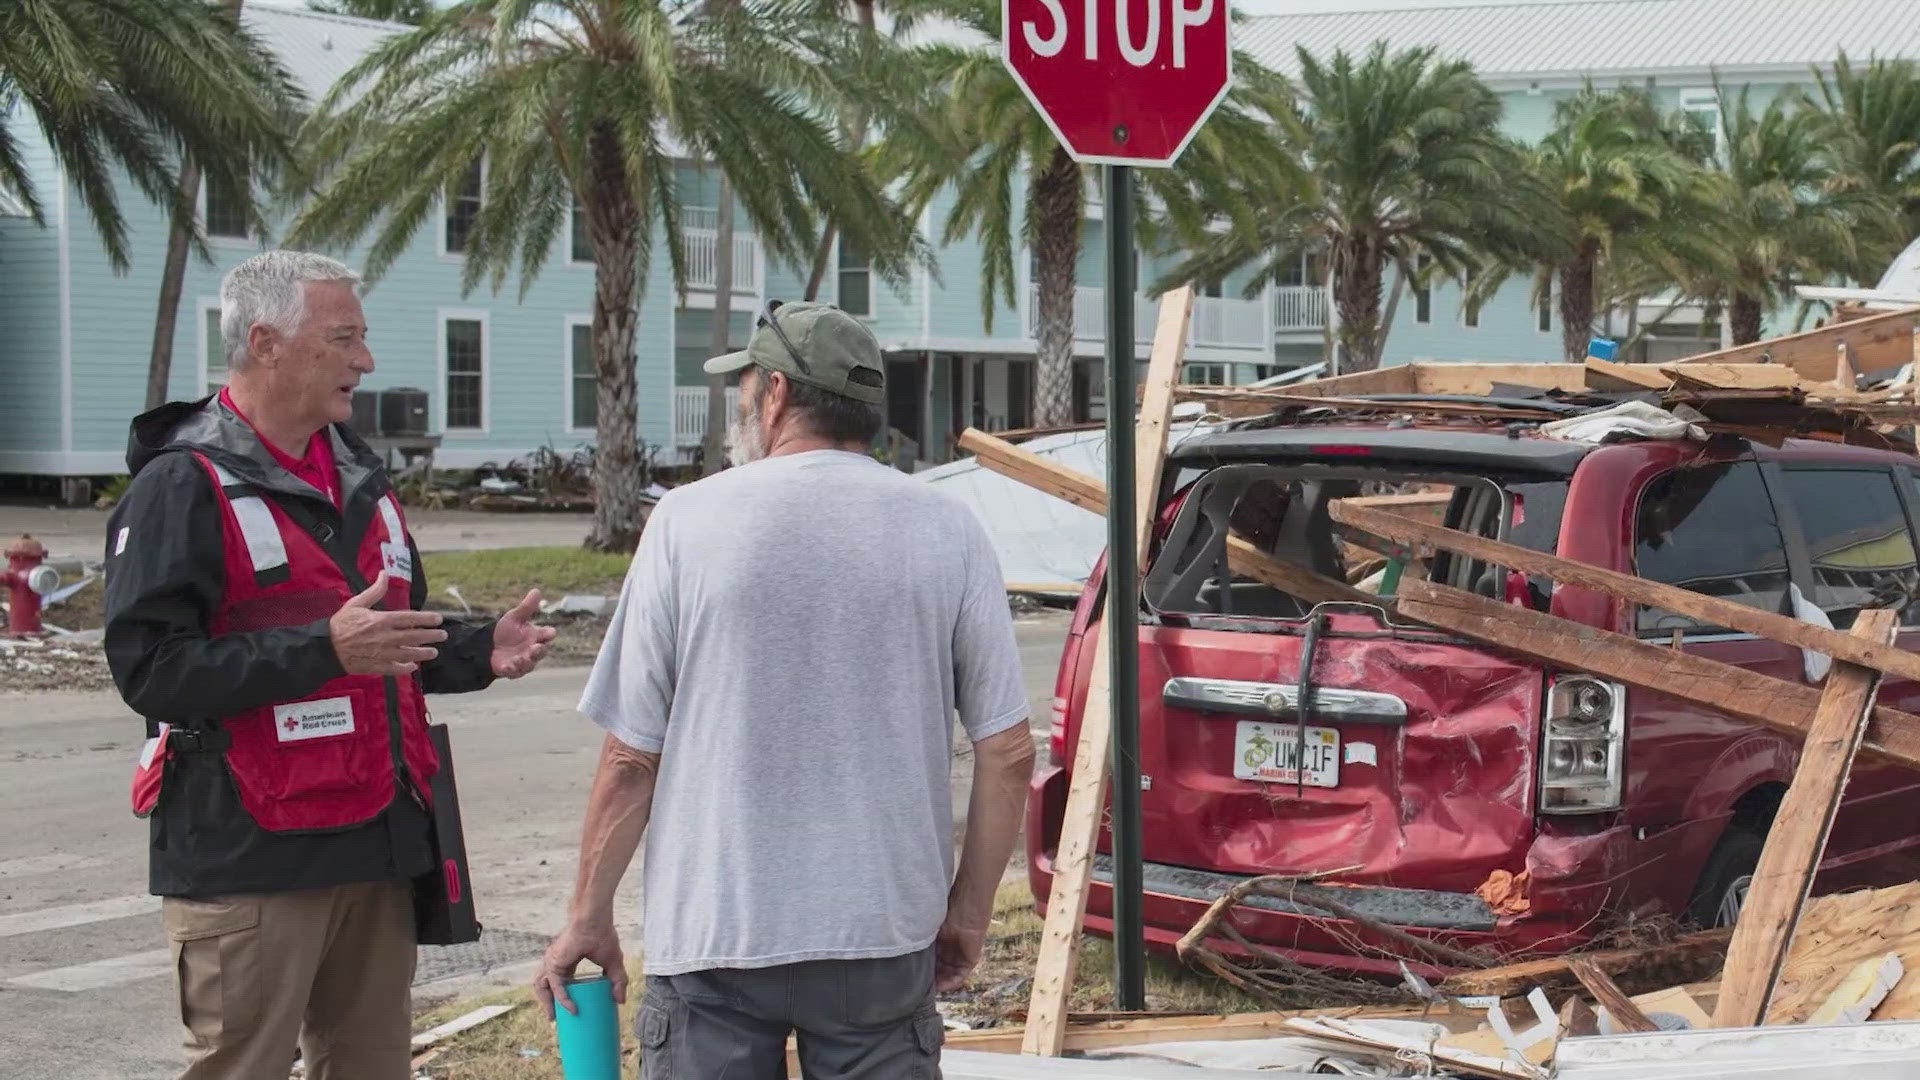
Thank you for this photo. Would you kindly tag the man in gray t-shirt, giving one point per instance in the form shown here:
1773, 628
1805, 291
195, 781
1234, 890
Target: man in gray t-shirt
778, 688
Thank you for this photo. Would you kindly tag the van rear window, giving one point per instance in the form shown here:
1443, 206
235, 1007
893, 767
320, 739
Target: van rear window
1710, 529
1282, 512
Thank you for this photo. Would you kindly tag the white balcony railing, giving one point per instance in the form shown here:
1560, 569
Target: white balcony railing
1218, 321
1299, 307
690, 414
699, 227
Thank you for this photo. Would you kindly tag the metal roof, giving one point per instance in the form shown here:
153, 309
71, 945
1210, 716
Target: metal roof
1512, 41
317, 48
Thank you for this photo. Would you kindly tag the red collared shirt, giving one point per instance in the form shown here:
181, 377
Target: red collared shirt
317, 467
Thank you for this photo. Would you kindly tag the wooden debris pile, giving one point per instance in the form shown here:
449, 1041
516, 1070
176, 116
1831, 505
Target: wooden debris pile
1848, 382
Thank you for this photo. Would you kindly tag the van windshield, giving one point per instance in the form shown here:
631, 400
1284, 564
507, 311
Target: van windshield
1282, 512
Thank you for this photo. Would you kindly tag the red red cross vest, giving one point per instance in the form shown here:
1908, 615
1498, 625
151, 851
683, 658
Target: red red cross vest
337, 757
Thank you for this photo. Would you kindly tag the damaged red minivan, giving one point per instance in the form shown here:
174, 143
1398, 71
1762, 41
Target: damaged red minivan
1429, 764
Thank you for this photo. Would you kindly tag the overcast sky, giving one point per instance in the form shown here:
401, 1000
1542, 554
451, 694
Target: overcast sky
1281, 7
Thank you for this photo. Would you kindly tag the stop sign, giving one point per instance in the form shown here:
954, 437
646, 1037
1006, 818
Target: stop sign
1121, 82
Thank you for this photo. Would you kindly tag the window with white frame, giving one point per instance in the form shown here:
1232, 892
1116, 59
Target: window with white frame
1206, 374
223, 211
1293, 273
1703, 104
463, 206
579, 244
216, 350
465, 345
1422, 294
581, 378
856, 278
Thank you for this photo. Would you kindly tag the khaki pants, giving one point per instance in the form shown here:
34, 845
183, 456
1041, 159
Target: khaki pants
329, 970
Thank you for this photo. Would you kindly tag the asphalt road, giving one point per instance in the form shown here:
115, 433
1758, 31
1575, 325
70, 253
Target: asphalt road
85, 979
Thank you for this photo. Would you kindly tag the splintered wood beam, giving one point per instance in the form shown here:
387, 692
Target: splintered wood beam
1877, 342
1786, 707
1734, 376
1054, 971
1610, 375
1714, 611
1794, 845
1626, 1015
1087, 493
1694, 956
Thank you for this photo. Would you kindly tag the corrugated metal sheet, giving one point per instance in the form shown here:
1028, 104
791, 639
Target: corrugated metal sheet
316, 48
1505, 41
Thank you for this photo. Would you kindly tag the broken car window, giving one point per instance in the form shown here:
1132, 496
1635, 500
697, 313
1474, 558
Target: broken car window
1710, 529
1857, 540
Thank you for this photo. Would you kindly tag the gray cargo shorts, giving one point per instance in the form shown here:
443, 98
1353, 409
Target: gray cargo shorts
854, 1020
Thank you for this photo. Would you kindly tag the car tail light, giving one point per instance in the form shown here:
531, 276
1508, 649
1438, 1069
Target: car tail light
1581, 745
1057, 740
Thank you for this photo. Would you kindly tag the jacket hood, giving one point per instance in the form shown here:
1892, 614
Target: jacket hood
208, 426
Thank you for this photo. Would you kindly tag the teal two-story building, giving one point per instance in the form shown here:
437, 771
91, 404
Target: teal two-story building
506, 373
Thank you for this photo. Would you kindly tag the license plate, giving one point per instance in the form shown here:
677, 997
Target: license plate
1271, 753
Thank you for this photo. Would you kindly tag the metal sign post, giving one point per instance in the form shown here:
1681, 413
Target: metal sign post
1123, 598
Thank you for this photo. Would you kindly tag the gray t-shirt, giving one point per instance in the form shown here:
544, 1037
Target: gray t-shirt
793, 639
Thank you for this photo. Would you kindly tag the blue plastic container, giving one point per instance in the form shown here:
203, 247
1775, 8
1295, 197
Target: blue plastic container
589, 1041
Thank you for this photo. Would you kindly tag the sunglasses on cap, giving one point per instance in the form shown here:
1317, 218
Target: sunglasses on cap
767, 320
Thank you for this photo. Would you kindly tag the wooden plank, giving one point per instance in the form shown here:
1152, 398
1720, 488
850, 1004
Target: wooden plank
1386, 380
1799, 835
1688, 957
1054, 971
1479, 380
1608, 375
1734, 376
1712, 610
1107, 1034
1088, 493
1844, 376
459, 1024
1879, 341
1626, 1015
1786, 707
1835, 935
1272, 399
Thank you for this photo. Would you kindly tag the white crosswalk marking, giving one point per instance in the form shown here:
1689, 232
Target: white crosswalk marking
55, 918
112, 971
46, 864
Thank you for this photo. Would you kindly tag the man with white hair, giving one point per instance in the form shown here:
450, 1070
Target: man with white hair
264, 617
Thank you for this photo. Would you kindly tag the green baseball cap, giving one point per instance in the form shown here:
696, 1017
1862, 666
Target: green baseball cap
817, 344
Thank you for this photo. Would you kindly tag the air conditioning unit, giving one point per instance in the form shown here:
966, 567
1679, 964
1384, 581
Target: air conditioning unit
366, 413
403, 411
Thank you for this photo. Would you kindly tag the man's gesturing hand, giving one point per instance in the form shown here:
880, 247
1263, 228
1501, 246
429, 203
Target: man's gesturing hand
370, 640
518, 644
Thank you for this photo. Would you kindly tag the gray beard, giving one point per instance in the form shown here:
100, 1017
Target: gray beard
745, 442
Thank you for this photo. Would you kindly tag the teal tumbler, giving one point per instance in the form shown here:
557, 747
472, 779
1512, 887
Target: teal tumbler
589, 1041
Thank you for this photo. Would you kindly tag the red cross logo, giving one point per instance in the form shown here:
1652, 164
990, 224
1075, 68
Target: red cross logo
292, 724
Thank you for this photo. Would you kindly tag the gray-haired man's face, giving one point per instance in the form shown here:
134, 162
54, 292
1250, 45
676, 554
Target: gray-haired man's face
318, 365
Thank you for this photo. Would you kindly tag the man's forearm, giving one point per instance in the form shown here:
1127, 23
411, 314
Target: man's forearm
617, 812
1002, 768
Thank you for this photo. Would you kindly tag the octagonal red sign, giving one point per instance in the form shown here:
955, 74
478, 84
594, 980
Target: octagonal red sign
1121, 82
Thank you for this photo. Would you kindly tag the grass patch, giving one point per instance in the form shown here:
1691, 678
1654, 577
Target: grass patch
521, 1044
496, 580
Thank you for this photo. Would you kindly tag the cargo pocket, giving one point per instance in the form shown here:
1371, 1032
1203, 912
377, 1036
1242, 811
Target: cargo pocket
929, 1035
654, 1027
216, 966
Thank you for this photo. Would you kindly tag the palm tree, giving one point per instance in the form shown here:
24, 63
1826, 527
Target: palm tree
1631, 184
595, 101
1877, 110
1793, 211
1405, 163
987, 141
411, 12
133, 86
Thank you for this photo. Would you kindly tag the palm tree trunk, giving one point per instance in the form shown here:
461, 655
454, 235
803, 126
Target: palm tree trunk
1745, 314
613, 226
1055, 203
173, 271
713, 448
1576, 301
1356, 293
856, 141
